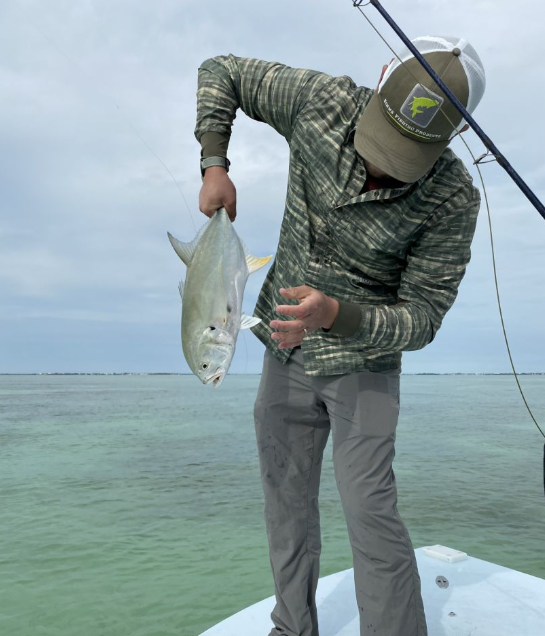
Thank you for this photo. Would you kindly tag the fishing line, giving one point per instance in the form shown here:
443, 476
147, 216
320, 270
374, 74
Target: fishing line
246, 351
359, 5
111, 99
502, 161
476, 162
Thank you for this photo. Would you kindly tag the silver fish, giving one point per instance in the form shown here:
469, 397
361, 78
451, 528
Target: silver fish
218, 266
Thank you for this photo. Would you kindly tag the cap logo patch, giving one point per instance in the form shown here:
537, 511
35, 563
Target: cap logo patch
421, 106
422, 102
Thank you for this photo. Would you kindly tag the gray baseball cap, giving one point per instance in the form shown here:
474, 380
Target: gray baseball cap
409, 121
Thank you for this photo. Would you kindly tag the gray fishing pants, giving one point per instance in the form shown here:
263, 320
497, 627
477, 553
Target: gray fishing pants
293, 416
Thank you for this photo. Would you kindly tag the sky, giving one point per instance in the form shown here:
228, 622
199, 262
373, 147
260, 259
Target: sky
98, 94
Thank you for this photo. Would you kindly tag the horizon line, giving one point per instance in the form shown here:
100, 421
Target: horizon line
234, 373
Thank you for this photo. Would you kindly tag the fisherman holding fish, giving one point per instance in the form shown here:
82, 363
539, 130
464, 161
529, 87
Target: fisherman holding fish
375, 239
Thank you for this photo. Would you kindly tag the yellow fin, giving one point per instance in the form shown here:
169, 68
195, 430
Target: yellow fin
254, 262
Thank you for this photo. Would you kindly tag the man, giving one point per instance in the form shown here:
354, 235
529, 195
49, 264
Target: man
374, 242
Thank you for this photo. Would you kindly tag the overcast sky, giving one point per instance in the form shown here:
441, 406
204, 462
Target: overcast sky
88, 280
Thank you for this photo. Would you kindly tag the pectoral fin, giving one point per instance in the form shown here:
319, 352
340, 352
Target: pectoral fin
248, 321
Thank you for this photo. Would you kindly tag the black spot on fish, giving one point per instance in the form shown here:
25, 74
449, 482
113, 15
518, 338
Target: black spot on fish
229, 308
211, 328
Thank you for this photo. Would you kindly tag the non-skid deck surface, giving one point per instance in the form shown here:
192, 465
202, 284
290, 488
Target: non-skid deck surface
481, 599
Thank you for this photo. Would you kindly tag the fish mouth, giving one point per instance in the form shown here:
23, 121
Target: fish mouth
216, 379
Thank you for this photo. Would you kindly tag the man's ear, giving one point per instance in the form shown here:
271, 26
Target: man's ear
382, 75
466, 127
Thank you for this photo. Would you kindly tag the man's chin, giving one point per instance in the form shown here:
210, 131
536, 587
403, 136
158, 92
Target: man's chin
376, 172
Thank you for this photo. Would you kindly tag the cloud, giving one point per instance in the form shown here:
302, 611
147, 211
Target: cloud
85, 205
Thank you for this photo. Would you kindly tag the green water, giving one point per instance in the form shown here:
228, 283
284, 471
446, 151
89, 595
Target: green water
131, 505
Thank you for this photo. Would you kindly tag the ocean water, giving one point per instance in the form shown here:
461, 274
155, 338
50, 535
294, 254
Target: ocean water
132, 506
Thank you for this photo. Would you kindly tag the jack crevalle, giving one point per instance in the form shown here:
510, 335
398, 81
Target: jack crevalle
218, 266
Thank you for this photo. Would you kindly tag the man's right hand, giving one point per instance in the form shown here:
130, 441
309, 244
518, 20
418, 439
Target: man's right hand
217, 191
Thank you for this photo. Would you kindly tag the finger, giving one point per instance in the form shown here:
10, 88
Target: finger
288, 340
296, 292
208, 209
292, 337
287, 326
288, 336
231, 209
284, 345
297, 311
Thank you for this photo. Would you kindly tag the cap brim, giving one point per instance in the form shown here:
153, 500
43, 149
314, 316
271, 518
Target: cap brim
378, 142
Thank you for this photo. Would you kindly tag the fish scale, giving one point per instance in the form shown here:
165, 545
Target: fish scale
218, 266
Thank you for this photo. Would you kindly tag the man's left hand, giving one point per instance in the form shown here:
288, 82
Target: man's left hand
314, 311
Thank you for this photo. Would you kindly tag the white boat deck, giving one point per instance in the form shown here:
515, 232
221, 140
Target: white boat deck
478, 599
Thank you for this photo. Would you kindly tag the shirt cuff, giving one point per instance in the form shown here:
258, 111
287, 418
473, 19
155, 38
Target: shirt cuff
347, 321
214, 144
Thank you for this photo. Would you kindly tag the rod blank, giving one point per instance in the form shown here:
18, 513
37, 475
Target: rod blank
500, 158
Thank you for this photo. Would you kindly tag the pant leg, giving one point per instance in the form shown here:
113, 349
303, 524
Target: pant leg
292, 430
363, 410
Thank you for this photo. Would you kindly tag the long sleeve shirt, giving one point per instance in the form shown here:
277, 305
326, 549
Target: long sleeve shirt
392, 257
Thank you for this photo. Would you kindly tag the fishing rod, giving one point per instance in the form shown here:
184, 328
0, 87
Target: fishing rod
497, 157
490, 146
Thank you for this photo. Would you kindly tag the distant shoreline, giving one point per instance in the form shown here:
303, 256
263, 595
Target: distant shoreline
146, 374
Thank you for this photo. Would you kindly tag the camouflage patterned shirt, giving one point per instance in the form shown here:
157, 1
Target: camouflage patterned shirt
395, 256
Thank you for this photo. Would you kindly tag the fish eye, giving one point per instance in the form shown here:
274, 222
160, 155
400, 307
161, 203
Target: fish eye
204, 366
211, 328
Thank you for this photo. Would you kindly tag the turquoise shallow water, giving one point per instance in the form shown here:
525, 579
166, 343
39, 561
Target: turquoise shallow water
131, 505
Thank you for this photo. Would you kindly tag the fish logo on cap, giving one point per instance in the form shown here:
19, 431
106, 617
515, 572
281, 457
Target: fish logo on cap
421, 106
422, 102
